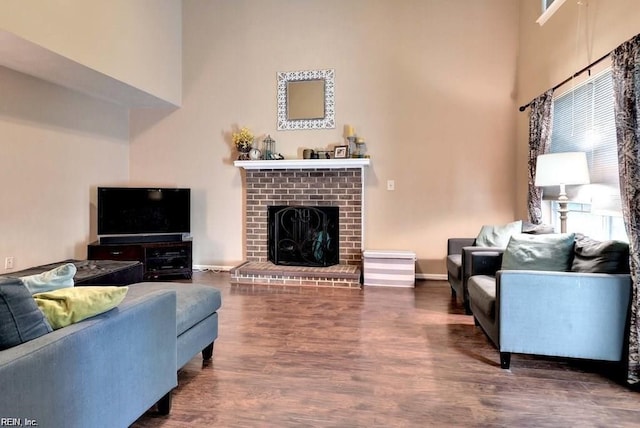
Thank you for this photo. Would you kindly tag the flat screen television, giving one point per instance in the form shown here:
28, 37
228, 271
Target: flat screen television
136, 212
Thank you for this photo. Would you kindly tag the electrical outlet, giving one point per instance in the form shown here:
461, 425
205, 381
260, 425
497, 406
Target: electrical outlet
391, 185
8, 263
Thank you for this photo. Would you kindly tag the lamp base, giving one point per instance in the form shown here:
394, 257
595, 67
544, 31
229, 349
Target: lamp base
563, 210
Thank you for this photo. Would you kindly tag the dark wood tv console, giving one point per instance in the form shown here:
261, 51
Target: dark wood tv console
160, 259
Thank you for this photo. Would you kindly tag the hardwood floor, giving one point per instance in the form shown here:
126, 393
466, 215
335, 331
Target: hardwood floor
378, 357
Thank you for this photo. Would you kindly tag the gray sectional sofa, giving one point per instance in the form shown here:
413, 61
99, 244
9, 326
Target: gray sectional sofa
106, 371
579, 311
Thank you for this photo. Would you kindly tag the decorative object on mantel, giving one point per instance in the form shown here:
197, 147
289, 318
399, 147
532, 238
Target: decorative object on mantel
349, 131
359, 148
243, 140
322, 154
268, 147
255, 154
350, 135
340, 152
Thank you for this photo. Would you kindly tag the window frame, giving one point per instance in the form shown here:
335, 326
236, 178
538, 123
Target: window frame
549, 10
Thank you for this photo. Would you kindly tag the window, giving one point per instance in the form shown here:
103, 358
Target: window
549, 7
584, 121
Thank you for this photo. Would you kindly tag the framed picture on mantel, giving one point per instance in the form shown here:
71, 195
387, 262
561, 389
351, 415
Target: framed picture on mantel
340, 152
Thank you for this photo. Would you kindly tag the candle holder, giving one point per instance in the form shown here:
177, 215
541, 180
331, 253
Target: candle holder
351, 143
359, 149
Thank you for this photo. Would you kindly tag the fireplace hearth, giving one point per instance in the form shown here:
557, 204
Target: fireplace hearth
303, 235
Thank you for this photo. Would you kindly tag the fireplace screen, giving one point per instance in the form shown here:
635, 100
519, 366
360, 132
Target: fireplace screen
303, 235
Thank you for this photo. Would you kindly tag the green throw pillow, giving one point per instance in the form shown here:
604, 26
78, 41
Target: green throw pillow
69, 305
552, 252
54, 279
497, 235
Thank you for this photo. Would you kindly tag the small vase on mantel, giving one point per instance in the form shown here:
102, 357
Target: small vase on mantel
243, 140
243, 150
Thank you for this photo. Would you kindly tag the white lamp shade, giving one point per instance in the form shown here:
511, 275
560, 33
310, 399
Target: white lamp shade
556, 169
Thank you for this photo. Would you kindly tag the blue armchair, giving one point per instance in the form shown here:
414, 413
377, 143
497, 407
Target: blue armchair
459, 251
576, 314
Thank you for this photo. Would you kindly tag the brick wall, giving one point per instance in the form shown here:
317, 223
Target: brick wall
341, 187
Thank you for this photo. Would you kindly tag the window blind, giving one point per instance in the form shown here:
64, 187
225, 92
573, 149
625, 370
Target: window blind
584, 121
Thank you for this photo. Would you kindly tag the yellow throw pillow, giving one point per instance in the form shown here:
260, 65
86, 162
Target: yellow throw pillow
69, 305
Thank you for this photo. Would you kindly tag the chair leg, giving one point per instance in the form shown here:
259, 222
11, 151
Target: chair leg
505, 360
467, 304
207, 352
467, 308
164, 404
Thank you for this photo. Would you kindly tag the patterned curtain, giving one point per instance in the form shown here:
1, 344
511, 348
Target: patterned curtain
625, 62
540, 123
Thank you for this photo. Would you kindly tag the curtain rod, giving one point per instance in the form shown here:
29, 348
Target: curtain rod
576, 74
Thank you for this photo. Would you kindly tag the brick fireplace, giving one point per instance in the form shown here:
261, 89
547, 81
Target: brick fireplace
330, 182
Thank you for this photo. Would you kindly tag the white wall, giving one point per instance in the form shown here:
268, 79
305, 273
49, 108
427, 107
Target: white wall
428, 84
56, 147
137, 42
56, 144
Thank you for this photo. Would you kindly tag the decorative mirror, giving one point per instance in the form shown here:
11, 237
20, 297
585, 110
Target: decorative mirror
306, 100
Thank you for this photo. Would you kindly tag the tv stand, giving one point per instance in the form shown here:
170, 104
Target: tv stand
160, 259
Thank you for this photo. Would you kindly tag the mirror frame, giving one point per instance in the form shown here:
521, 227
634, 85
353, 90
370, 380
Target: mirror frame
284, 124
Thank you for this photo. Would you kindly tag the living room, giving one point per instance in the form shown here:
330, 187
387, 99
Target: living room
147, 93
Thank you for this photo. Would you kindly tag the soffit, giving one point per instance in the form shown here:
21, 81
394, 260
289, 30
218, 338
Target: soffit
29, 58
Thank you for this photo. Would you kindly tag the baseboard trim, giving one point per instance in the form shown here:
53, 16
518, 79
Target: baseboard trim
212, 268
432, 276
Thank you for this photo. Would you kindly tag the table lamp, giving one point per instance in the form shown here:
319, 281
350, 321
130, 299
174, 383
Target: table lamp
561, 169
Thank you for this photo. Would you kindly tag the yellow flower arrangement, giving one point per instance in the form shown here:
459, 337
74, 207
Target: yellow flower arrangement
243, 139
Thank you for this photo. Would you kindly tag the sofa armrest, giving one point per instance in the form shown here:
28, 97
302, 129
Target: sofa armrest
485, 263
455, 245
105, 371
568, 314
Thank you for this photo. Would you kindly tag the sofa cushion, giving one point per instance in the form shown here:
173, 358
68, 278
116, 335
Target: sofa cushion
54, 279
497, 235
70, 305
194, 302
552, 252
482, 292
534, 229
454, 265
20, 318
600, 256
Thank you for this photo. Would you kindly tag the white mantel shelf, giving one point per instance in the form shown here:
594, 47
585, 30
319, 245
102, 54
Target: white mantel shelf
303, 163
